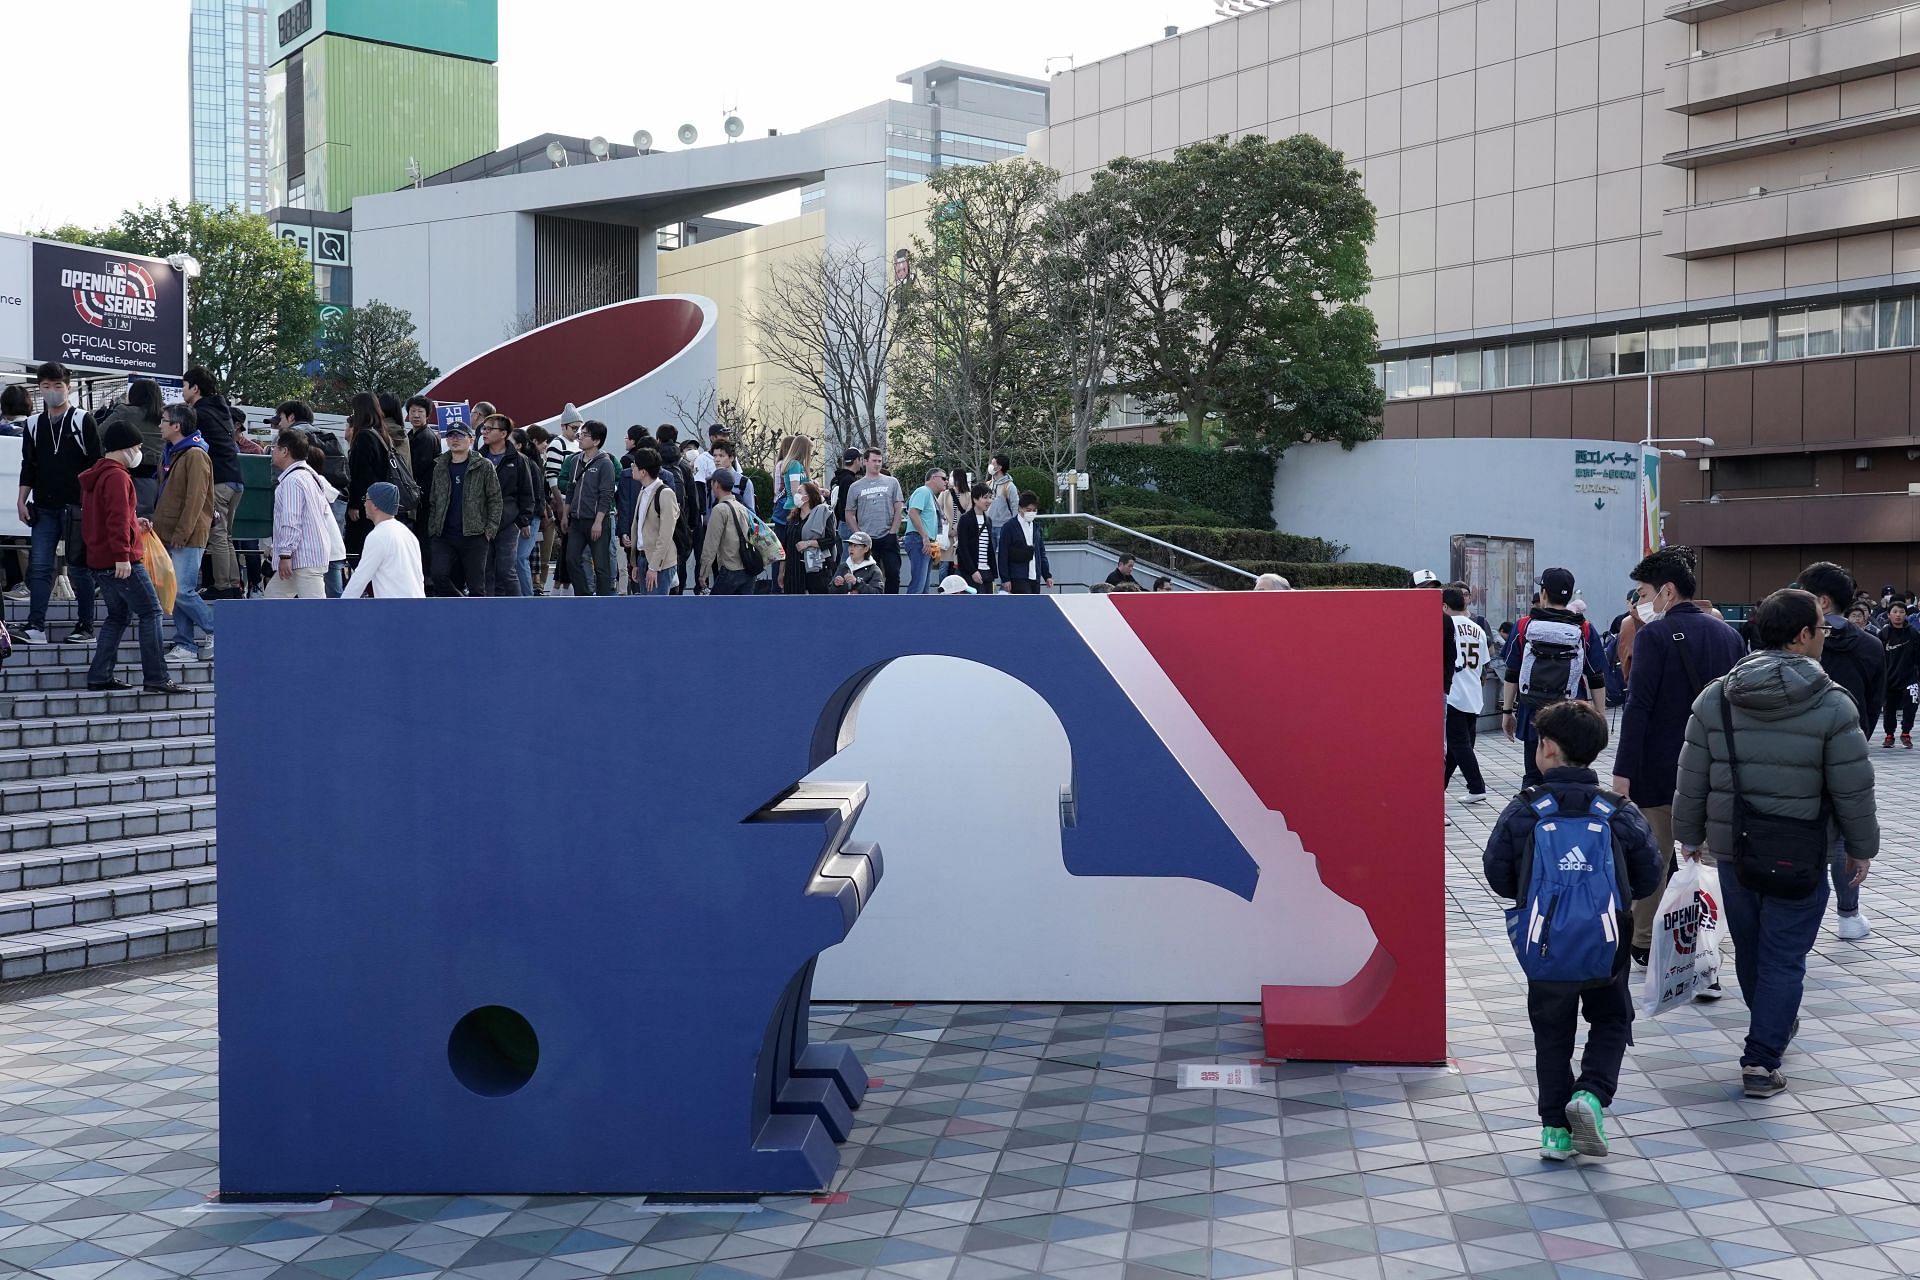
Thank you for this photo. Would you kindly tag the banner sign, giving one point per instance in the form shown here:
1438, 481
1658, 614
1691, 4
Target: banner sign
1649, 501
448, 414
102, 311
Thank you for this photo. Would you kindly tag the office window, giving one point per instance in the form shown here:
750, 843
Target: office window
1790, 334
1493, 368
1896, 323
1446, 379
902, 153
1632, 353
1723, 342
1691, 353
1472, 367
1396, 379
1520, 364
1573, 359
1662, 349
1768, 471
1756, 333
1600, 349
1823, 331
1420, 376
1546, 361
1379, 372
1856, 326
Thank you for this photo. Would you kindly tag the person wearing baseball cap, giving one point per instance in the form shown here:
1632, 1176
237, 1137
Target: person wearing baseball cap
1555, 657
955, 585
463, 514
390, 560
860, 573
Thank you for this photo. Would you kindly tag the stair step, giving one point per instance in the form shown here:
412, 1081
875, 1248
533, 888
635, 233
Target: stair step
50, 706
28, 796
45, 951
62, 655
85, 863
17, 680
59, 828
136, 727
110, 757
29, 910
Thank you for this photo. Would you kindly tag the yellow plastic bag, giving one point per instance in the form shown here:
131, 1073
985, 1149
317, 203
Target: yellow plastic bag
159, 568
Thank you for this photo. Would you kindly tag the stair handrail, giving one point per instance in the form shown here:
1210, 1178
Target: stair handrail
1147, 537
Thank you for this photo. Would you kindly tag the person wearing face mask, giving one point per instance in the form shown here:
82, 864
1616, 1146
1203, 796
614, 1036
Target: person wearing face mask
111, 528
61, 442
1678, 651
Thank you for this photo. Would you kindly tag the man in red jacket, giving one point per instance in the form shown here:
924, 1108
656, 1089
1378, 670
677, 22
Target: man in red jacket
111, 527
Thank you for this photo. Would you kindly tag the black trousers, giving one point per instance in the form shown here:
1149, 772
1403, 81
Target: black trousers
1530, 775
589, 559
1023, 586
1899, 710
1555, 1012
468, 553
1462, 727
887, 551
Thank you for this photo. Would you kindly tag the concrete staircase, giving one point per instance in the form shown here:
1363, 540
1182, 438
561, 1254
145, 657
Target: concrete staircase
106, 811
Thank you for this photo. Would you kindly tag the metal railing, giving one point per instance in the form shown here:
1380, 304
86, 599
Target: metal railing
1158, 542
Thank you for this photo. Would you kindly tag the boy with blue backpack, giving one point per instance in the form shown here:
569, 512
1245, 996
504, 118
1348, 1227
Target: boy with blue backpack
1573, 856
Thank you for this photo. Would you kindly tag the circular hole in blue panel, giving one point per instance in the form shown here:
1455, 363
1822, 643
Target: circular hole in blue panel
493, 1051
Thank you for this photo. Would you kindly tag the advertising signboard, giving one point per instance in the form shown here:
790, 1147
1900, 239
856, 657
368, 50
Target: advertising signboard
95, 310
16, 294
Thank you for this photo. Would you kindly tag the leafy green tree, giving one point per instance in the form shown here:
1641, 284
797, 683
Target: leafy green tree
370, 348
251, 311
1243, 283
975, 368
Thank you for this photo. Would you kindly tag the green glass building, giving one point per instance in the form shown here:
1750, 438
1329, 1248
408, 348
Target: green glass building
360, 89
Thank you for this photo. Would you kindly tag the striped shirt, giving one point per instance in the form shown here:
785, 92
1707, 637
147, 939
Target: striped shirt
303, 525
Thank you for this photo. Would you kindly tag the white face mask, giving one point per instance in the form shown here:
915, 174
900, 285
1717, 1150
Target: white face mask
1647, 612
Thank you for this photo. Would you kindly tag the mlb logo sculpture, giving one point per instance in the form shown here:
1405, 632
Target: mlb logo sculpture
475, 941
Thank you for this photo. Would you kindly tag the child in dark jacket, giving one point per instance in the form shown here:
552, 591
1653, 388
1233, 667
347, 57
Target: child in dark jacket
1572, 735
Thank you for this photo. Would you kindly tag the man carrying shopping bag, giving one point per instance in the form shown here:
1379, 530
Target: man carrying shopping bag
1774, 759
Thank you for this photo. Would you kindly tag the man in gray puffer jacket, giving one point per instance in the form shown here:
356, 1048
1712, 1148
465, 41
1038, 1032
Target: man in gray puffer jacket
1798, 738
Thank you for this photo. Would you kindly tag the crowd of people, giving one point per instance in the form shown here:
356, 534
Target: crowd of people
1746, 749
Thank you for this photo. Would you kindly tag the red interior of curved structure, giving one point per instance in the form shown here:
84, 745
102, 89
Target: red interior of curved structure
577, 360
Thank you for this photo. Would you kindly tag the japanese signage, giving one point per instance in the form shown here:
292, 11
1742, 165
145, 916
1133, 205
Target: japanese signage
449, 414
1600, 474
1218, 1075
111, 312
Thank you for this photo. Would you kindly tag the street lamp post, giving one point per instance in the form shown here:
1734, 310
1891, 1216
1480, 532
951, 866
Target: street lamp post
1650, 455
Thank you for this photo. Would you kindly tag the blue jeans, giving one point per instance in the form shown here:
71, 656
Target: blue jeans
190, 612
128, 598
1846, 897
336, 579
663, 585
524, 565
1771, 939
917, 562
49, 525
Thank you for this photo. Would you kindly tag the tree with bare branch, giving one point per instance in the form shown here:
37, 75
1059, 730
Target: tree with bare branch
828, 321
757, 426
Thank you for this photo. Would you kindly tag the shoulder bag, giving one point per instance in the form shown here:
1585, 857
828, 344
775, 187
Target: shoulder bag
1776, 857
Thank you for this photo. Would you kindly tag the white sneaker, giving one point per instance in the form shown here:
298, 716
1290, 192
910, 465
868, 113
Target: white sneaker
205, 647
1710, 993
1854, 927
180, 655
32, 635
1474, 797
19, 593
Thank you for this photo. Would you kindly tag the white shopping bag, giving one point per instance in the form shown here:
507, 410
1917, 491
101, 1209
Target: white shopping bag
1686, 940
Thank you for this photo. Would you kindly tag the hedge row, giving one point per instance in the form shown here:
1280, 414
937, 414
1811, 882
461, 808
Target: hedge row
1347, 573
1236, 483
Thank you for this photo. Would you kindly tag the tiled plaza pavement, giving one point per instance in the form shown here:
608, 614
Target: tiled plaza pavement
1051, 1141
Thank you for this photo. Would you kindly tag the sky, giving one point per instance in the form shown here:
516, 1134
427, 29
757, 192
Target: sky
81, 150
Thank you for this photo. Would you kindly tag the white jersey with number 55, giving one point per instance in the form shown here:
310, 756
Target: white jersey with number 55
1470, 657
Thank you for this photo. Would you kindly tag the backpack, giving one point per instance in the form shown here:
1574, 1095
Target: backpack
1566, 926
692, 505
1616, 678
1553, 660
400, 478
751, 561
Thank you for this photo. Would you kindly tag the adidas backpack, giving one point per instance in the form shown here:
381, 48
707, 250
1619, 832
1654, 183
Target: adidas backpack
1566, 927
1553, 661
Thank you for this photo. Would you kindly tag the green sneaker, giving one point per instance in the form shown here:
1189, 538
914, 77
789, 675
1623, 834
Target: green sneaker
1589, 1129
1556, 1144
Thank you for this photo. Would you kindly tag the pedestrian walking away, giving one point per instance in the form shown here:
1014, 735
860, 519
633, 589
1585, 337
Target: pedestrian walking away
201, 393
1555, 656
1677, 651
305, 538
1464, 656
1572, 890
1774, 758
389, 565
111, 532
61, 442
1858, 664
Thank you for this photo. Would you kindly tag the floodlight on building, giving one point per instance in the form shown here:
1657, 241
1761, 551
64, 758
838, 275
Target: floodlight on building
642, 140
598, 146
186, 264
688, 135
734, 126
413, 171
557, 155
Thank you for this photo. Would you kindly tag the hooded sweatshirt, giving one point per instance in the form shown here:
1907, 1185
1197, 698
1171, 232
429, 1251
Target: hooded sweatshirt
1903, 656
109, 523
1858, 664
1798, 736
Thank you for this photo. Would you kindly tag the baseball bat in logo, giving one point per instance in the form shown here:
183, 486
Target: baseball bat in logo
100, 310
112, 299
